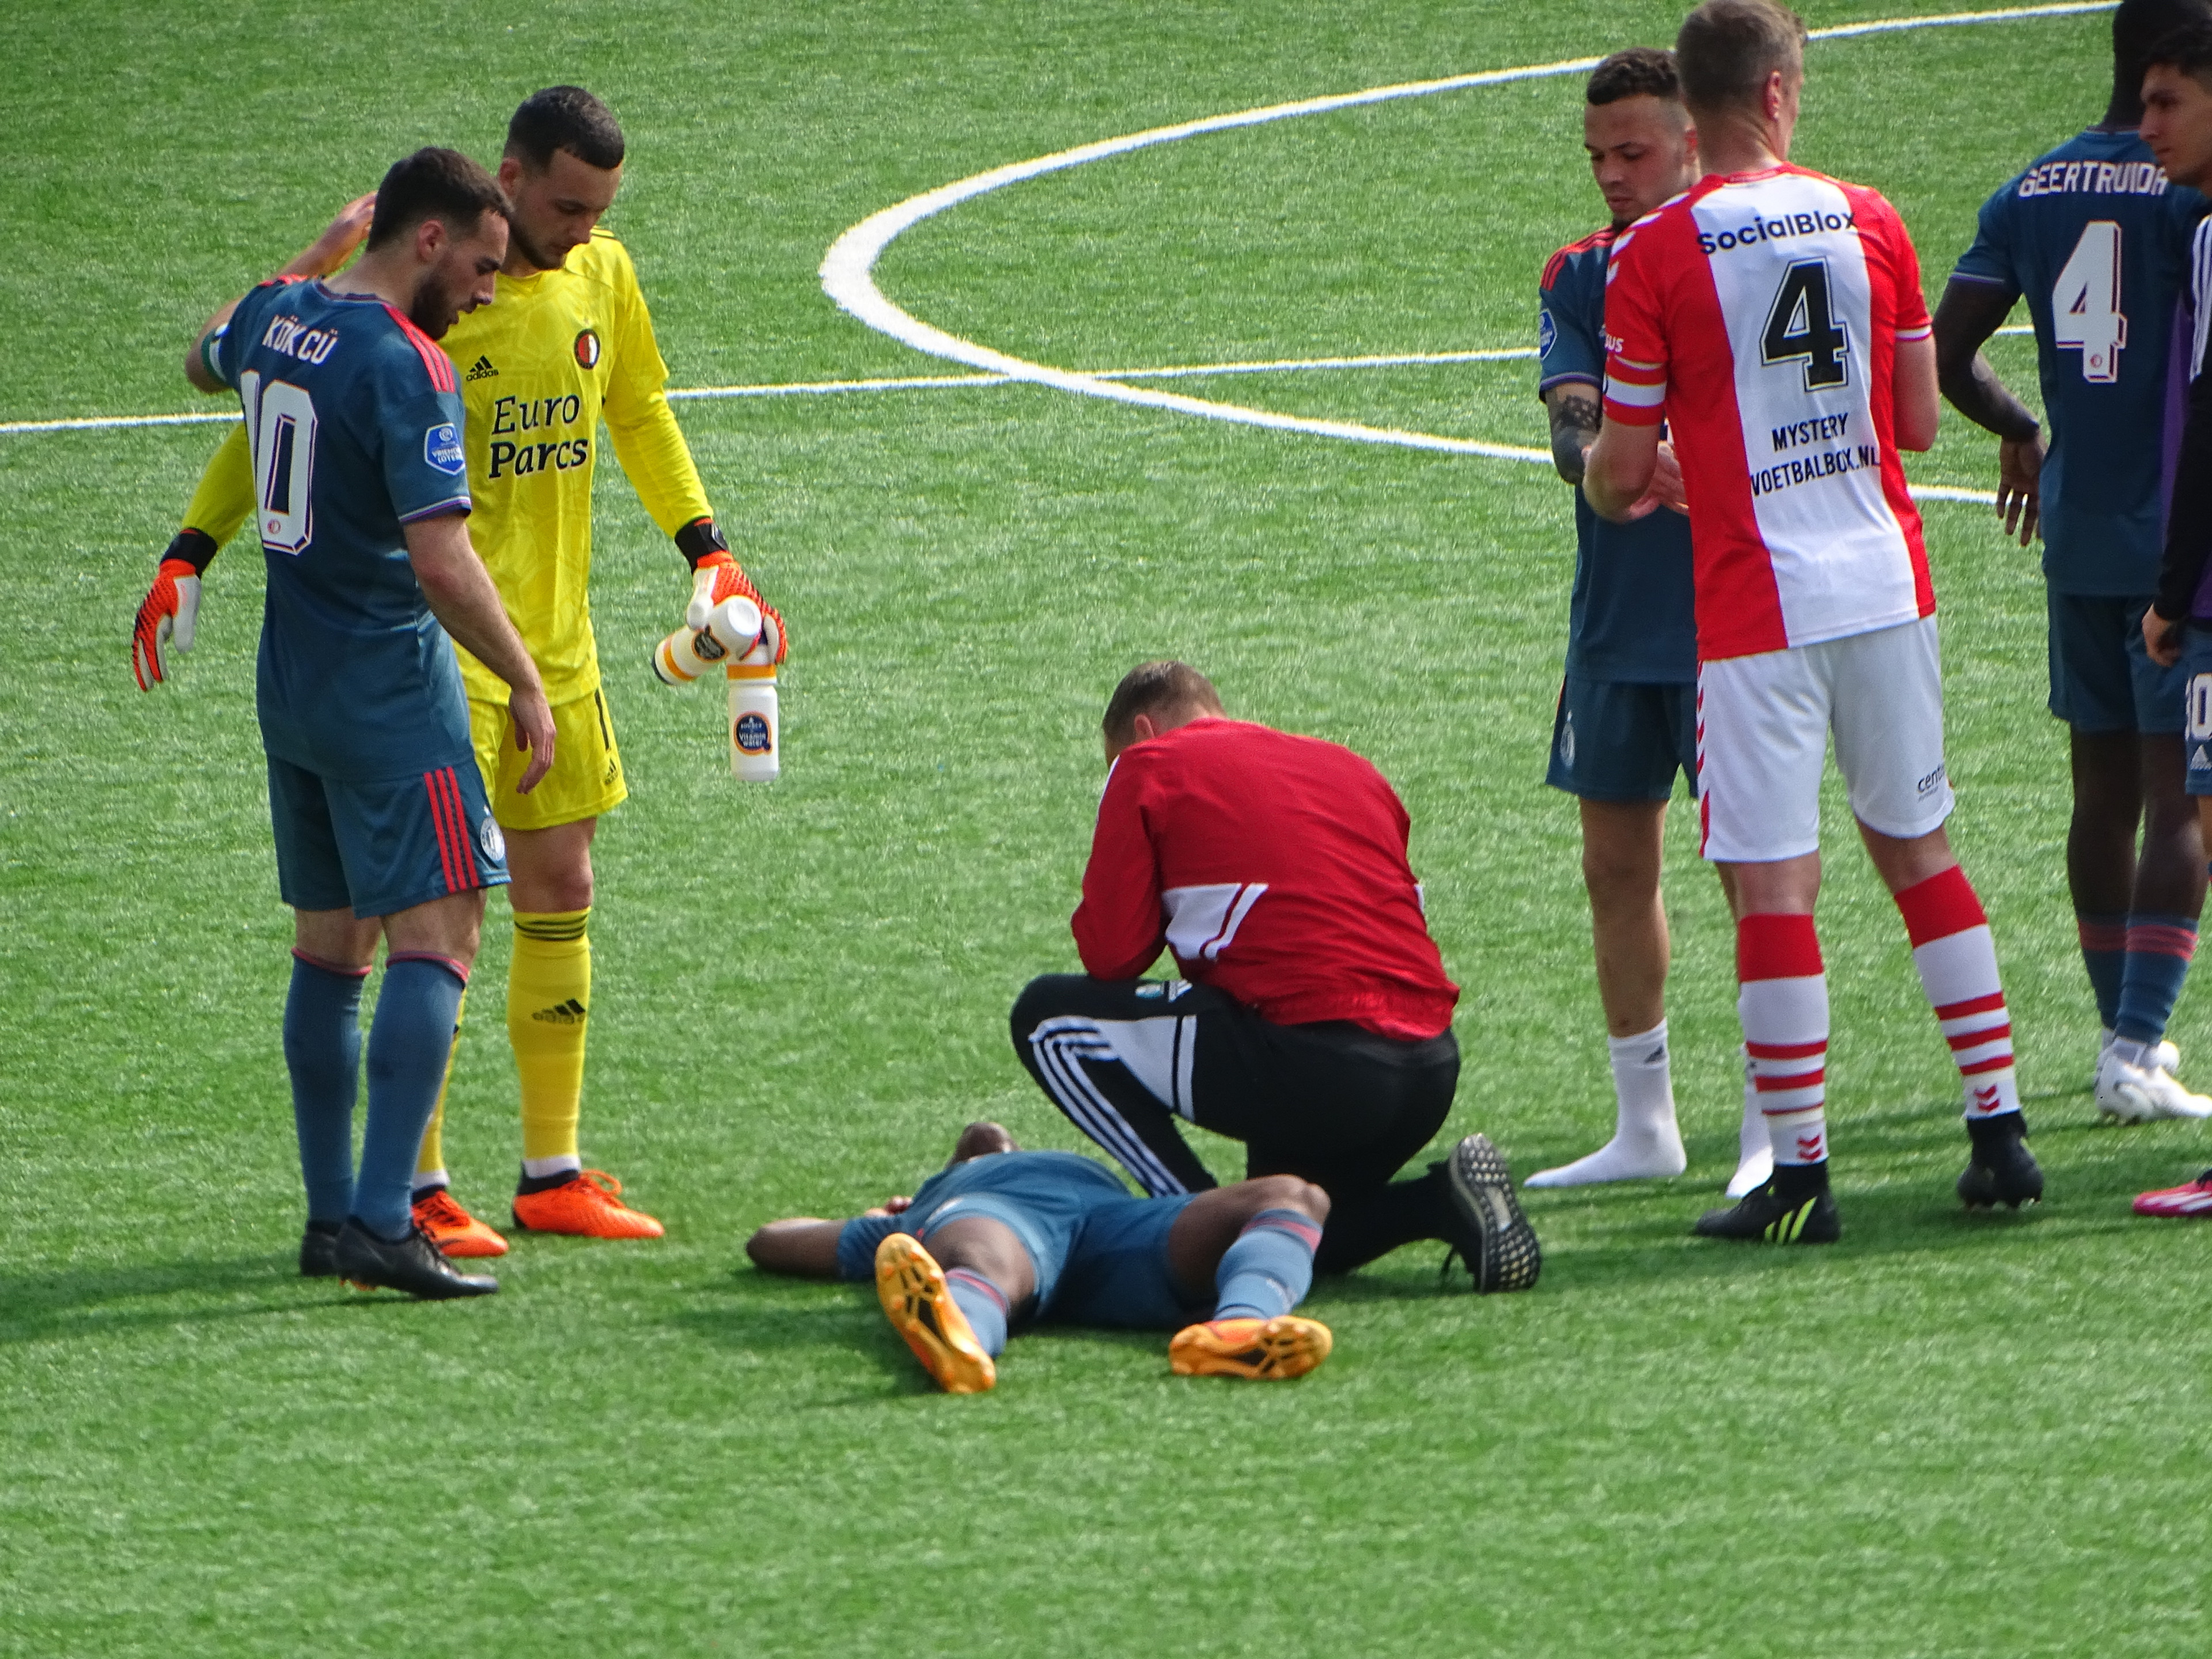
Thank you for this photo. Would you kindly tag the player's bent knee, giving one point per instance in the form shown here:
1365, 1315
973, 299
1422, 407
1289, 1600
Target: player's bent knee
1041, 999
1285, 1192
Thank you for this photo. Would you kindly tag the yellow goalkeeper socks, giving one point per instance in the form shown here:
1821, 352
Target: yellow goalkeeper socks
549, 995
430, 1161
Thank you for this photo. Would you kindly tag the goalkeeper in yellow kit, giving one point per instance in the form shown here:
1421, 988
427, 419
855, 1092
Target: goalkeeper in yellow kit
566, 342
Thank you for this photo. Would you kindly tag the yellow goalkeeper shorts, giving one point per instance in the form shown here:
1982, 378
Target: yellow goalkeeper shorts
586, 778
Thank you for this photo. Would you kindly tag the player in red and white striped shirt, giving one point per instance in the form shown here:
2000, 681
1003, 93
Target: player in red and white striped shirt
1772, 317
1311, 1018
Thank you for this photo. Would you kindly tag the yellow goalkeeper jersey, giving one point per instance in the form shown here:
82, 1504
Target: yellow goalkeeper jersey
540, 368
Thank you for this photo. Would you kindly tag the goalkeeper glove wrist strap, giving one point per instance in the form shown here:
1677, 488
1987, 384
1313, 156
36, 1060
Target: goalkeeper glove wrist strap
700, 540
195, 548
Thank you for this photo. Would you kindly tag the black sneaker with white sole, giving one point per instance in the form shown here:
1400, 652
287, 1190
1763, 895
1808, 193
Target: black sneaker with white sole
413, 1264
1793, 1207
2000, 1169
1493, 1237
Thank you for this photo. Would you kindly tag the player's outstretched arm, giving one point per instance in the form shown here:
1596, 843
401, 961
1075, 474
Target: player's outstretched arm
801, 1246
460, 594
1969, 313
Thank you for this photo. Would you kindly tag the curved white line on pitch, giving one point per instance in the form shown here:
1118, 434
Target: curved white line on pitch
848, 268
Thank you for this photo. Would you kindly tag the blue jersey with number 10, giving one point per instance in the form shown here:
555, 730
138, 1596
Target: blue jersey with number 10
2096, 239
354, 423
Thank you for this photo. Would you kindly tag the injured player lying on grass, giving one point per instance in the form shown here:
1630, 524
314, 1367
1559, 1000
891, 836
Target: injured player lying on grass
1000, 1238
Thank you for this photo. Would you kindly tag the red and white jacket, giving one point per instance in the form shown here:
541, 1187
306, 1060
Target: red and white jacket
1274, 867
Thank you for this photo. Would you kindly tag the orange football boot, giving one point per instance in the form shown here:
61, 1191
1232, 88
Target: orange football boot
920, 1305
452, 1228
588, 1206
1284, 1346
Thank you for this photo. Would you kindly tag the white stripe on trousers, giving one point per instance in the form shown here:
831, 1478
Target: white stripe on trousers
1061, 1044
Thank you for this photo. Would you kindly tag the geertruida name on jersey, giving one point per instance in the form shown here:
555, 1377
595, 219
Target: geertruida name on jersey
1810, 468
1782, 226
2094, 178
519, 415
294, 339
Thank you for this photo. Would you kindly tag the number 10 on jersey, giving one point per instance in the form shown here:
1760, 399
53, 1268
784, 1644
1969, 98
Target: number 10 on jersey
2085, 305
280, 426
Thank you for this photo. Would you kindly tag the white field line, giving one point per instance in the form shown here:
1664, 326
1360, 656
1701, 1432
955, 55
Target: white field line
848, 267
898, 383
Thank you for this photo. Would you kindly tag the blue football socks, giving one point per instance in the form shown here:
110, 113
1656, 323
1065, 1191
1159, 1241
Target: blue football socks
322, 1052
1269, 1269
2104, 954
408, 1043
2158, 949
978, 1298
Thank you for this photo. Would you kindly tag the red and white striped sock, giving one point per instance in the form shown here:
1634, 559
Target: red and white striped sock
1782, 1002
1957, 964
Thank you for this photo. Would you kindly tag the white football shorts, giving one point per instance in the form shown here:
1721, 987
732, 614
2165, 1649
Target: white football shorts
1763, 727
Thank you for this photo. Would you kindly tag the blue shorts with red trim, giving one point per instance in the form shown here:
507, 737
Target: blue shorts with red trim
382, 847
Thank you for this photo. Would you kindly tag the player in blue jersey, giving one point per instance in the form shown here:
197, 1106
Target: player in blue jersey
1000, 1238
1627, 720
382, 827
2178, 629
2095, 237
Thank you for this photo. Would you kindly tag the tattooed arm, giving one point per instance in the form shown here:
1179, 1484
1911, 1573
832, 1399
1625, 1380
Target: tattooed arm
1575, 412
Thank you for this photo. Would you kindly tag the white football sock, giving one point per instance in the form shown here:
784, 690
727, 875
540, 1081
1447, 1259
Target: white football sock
1754, 1151
1646, 1142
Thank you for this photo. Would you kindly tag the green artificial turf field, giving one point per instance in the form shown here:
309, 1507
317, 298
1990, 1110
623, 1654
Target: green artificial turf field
1947, 1435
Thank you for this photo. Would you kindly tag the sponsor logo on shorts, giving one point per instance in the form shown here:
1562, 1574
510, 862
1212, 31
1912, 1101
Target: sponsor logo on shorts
441, 448
588, 348
1567, 743
1547, 332
1929, 782
492, 841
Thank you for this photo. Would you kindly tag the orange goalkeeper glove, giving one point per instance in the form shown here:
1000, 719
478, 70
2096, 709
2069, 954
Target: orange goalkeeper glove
170, 614
715, 576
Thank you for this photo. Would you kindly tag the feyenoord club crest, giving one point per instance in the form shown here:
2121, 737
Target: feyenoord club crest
493, 843
588, 348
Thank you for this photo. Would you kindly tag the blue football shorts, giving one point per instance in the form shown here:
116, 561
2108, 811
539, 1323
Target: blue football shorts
380, 848
2195, 669
2102, 679
1618, 740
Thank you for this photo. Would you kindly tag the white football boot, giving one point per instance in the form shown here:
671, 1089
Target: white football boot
2166, 1056
2129, 1093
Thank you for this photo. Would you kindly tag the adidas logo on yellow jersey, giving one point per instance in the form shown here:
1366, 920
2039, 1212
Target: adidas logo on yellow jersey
482, 369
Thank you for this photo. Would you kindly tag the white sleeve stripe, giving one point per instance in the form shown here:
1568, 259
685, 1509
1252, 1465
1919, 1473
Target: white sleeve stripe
1920, 333
1635, 397
2200, 296
450, 504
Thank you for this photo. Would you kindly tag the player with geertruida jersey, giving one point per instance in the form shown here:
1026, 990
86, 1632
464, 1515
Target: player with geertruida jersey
2177, 125
570, 343
1626, 721
1774, 317
2095, 236
382, 826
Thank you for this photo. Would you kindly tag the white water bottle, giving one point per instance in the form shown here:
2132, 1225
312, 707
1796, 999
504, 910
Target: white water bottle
731, 629
756, 740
